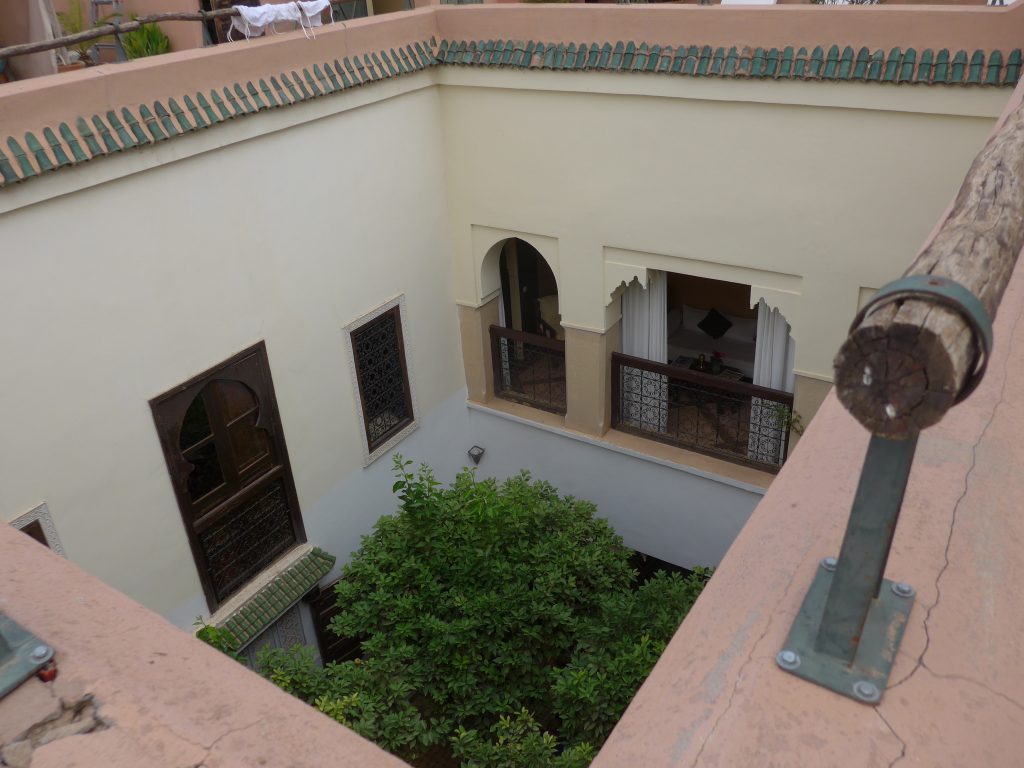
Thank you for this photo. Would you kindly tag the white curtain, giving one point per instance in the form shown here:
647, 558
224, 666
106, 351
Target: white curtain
773, 367
645, 334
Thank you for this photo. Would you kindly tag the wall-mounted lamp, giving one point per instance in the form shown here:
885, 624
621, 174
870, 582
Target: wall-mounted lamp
476, 453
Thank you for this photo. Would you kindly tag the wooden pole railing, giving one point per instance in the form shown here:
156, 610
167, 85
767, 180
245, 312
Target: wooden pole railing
109, 28
906, 363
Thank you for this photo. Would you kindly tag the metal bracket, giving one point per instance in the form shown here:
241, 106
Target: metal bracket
950, 294
851, 622
22, 654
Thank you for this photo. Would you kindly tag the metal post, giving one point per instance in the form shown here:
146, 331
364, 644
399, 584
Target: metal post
851, 622
869, 532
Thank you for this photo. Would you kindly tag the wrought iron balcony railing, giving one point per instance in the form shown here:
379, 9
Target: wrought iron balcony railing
528, 368
733, 420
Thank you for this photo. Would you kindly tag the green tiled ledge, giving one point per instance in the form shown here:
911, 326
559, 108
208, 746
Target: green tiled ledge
898, 66
102, 135
278, 595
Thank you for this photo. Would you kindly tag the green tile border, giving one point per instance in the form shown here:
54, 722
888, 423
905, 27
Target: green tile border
278, 595
83, 138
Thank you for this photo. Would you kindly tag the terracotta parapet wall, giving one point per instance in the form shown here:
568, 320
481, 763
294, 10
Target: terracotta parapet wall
879, 26
30, 104
167, 698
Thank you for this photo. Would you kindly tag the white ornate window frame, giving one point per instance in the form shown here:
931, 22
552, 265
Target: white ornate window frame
41, 514
397, 301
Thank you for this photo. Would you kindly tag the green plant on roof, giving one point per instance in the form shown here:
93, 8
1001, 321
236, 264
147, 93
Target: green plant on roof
74, 20
501, 620
221, 639
147, 40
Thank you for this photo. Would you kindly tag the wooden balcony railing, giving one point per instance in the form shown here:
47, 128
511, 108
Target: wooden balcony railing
528, 368
732, 420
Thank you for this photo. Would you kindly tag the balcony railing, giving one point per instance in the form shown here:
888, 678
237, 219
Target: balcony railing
528, 368
732, 420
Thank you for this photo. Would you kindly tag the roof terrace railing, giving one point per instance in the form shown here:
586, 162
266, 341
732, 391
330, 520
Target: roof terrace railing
118, 28
919, 347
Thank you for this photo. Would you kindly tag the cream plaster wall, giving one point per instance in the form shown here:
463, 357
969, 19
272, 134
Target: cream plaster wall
114, 294
806, 191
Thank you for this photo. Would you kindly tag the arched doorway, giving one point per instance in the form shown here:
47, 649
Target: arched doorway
529, 291
528, 348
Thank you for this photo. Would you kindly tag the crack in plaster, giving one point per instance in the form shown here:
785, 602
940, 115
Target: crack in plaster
903, 744
739, 674
952, 523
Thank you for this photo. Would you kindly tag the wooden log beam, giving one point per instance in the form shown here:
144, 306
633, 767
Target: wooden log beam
902, 367
110, 28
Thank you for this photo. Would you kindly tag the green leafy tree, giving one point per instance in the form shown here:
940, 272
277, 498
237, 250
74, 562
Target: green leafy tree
500, 619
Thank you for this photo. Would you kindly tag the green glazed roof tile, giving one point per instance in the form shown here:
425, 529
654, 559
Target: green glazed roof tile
652, 59
786, 63
800, 64
926, 67
994, 68
627, 58
705, 60
55, 146
218, 102
165, 119
306, 94
860, 66
976, 70
205, 105
941, 73
1013, 67
617, 53
20, 158
141, 137
892, 66
197, 114
72, 142
150, 120
830, 70
959, 67
42, 159
179, 115
907, 62
127, 141
104, 134
279, 594
90, 139
846, 63
757, 63
7, 173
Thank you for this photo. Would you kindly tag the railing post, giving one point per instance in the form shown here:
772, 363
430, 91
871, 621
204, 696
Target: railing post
616, 394
851, 623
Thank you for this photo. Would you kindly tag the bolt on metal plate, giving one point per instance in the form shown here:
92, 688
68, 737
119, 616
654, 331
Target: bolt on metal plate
22, 654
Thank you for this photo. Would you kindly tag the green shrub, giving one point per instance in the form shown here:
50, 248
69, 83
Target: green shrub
147, 40
498, 609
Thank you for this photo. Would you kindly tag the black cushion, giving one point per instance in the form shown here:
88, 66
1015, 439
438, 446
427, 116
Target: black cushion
715, 324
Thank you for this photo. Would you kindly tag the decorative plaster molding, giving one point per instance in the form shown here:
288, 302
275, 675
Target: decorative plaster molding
41, 514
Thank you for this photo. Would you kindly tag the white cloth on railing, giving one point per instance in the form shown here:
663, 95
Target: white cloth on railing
313, 10
254, 20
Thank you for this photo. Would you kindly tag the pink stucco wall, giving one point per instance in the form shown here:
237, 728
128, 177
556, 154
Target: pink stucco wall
169, 699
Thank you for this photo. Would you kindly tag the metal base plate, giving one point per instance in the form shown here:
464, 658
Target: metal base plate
22, 654
865, 680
